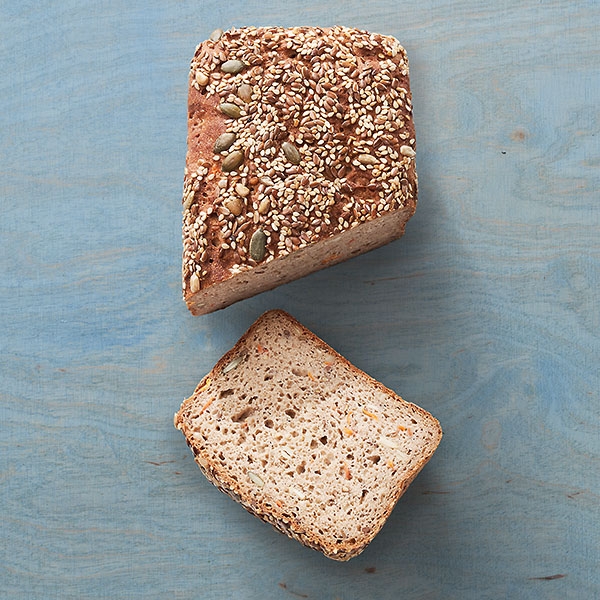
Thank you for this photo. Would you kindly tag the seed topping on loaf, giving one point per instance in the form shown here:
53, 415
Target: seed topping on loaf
298, 134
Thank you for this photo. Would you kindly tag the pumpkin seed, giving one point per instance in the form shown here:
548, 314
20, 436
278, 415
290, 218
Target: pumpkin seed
258, 245
232, 161
291, 152
216, 35
231, 110
245, 92
232, 66
407, 151
224, 142
367, 159
234, 206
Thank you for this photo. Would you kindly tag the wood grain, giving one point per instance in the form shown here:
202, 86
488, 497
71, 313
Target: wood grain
485, 313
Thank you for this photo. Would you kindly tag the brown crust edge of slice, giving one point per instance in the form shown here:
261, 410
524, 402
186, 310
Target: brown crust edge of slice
268, 514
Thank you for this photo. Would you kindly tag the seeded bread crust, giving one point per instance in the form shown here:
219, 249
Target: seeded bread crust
303, 439
320, 148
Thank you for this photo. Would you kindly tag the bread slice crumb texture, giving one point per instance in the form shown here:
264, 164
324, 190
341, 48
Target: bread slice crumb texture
305, 440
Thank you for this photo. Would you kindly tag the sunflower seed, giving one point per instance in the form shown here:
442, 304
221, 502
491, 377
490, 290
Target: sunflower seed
232, 161
388, 443
367, 159
241, 190
258, 245
194, 283
231, 110
201, 78
188, 199
232, 66
291, 152
234, 206
216, 35
255, 479
264, 206
297, 492
407, 151
234, 364
224, 142
245, 92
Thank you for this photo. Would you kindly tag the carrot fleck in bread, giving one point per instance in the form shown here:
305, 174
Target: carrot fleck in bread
305, 440
301, 154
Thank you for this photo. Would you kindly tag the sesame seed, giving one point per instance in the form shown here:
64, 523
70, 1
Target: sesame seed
289, 162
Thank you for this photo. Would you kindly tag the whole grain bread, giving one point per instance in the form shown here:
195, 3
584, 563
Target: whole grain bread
303, 439
301, 154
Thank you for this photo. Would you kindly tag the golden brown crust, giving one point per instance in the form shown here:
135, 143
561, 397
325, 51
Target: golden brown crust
322, 119
269, 511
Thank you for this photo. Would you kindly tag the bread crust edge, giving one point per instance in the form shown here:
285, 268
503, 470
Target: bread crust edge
271, 514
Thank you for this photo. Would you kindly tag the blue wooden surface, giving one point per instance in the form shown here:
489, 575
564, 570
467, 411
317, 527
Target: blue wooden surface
486, 313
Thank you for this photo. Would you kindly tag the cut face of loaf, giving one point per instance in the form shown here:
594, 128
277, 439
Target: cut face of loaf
301, 154
303, 439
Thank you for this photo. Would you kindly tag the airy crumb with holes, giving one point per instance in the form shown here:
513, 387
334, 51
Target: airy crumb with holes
305, 440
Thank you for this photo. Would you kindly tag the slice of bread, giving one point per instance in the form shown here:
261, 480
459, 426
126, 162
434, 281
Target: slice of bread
300, 154
305, 440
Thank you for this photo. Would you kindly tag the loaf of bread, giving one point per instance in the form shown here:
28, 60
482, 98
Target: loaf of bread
303, 439
301, 154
